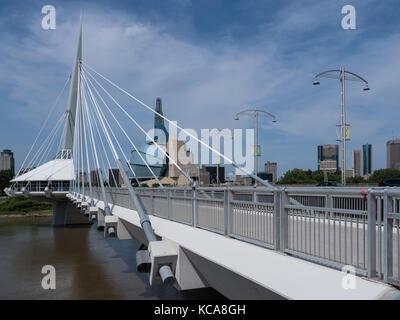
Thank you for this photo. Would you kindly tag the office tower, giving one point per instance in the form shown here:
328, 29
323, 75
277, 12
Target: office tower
7, 160
367, 159
94, 177
328, 157
272, 168
113, 177
357, 160
393, 154
161, 133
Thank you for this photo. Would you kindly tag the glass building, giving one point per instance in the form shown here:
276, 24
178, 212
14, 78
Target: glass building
154, 158
367, 159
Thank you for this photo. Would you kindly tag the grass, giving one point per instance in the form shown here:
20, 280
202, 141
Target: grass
23, 206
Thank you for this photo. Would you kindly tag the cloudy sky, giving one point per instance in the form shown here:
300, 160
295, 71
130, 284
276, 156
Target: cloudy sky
209, 59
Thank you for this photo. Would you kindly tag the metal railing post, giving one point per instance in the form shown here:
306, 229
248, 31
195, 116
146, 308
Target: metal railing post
227, 211
152, 201
276, 227
284, 226
277, 219
195, 208
329, 204
387, 238
169, 205
371, 238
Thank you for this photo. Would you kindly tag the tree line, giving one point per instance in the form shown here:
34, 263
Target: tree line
298, 176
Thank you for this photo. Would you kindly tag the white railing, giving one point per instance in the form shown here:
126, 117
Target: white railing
329, 226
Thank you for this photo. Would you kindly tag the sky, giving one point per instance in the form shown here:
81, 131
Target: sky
208, 60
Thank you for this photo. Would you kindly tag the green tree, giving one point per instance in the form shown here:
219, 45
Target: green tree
382, 174
297, 176
5, 177
355, 180
21, 206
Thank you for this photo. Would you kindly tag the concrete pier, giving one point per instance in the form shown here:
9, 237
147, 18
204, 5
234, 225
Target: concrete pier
65, 213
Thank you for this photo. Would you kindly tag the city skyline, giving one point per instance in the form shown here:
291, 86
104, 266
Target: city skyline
220, 75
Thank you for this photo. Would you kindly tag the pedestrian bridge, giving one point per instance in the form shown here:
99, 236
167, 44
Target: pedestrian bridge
264, 242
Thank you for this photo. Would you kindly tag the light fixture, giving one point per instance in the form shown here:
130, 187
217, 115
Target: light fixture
316, 83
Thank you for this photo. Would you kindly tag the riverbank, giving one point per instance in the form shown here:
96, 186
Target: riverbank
27, 215
16, 208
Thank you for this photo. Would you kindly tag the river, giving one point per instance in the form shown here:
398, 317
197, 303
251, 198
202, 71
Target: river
88, 266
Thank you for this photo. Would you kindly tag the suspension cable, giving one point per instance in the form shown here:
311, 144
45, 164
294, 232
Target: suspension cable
122, 129
44, 124
230, 161
95, 103
141, 129
106, 207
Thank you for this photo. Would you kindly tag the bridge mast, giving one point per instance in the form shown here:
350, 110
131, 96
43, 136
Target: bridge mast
68, 134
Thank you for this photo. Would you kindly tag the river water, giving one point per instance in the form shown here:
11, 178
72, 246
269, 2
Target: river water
88, 266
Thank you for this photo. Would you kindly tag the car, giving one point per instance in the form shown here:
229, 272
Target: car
390, 183
330, 184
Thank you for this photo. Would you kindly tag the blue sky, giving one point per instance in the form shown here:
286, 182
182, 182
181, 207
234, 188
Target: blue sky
209, 60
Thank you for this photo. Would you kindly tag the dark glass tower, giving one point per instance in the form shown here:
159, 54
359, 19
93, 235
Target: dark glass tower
159, 126
367, 159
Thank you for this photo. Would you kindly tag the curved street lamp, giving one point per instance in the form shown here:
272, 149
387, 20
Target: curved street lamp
256, 113
342, 75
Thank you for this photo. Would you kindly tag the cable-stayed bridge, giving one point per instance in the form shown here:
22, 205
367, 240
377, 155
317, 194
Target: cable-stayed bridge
251, 243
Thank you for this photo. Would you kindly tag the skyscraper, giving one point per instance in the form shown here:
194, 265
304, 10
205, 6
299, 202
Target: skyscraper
367, 159
272, 168
393, 154
7, 160
357, 161
328, 157
160, 132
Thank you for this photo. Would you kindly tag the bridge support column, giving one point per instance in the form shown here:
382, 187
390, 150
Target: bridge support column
65, 213
100, 219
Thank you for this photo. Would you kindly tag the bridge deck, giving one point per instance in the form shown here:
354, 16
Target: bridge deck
288, 276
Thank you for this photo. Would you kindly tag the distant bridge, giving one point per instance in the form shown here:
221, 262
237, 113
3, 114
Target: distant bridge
248, 243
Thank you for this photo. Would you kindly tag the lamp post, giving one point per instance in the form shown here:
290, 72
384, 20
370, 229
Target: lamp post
342, 75
256, 113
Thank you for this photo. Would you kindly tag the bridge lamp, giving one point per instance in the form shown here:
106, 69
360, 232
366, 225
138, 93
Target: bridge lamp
342, 75
256, 113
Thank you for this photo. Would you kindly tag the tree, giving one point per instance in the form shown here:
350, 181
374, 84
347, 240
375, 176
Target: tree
382, 174
355, 180
5, 177
298, 176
